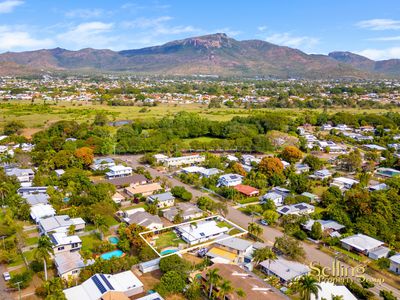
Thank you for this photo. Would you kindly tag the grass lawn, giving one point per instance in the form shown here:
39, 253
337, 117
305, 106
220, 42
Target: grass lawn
110, 221
234, 231
168, 239
352, 255
319, 190
32, 241
139, 205
221, 224
88, 241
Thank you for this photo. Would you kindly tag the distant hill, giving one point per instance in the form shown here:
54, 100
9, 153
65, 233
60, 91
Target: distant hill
387, 67
215, 54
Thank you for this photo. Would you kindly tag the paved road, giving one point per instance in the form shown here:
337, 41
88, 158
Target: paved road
269, 233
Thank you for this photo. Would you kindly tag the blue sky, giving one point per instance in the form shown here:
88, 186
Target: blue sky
371, 28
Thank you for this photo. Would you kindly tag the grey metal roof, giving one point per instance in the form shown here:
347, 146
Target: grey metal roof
235, 243
161, 197
286, 269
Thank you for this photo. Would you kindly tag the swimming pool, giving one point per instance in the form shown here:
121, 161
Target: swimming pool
168, 251
111, 254
113, 240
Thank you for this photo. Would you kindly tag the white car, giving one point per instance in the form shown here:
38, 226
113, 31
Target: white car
263, 222
6, 276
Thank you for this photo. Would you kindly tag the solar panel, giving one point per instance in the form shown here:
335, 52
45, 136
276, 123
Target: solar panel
202, 234
285, 209
99, 285
107, 282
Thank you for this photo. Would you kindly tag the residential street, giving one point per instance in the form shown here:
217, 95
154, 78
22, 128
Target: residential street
269, 233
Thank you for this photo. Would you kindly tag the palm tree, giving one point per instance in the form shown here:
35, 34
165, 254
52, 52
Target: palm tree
224, 289
100, 223
4, 190
254, 229
212, 277
262, 254
240, 293
43, 251
337, 297
308, 285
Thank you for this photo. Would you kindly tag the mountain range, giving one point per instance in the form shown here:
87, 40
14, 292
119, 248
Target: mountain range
214, 54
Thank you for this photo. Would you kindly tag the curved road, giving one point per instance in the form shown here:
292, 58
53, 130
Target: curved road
269, 233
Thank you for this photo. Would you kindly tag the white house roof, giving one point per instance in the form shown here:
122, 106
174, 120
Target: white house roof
326, 224
161, 197
295, 208
362, 242
286, 269
68, 261
119, 168
61, 238
99, 284
395, 258
272, 196
202, 230
34, 199
153, 296
328, 289
235, 243
56, 222
345, 180
41, 211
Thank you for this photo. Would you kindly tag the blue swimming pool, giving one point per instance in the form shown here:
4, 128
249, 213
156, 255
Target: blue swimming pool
168, 251
111, 254
113, 240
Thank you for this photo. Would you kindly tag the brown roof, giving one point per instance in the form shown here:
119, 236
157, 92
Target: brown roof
246, 189
114, 295
253, 286
145, 188
128, 180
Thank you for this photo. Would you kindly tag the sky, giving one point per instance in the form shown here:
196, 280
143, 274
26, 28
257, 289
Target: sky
367, 27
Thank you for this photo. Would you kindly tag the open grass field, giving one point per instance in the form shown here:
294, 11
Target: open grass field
37, 116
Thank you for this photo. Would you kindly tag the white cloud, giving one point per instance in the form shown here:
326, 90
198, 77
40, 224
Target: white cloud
379, 54
262, 28
19, 39
379, 24
386, 38
9, 5
84, 13
90, 34
287, 39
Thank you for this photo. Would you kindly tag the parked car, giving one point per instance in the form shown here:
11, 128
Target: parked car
263, 222
6, 276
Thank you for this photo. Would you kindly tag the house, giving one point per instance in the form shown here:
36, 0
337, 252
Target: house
344, 183
321, 174
101, 164
152, 296
254, 287
229, 180
160, 158
99, 284
395, 263
296, 209
233, 250
145, 219
380, 252
274, 196
182, 160
248, 159
65, 243
326, 127
284, 269
144, 190
378, 187
32, 190
330, 227
207, 173
313, 198
374, 147
201, 232
118, 171
387, 172
328, 290
282, 191
118, 198
34, 199
149, 266
246, 190
301, 168
162, 200
232, 158
133, 180
41, 211
24, 176
60, 223
59, 172
188, 211
285, 164
69, 264
360, 243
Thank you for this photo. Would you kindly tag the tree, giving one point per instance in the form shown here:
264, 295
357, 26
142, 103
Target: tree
352, 161
85, 154
101, 225
100, 119
262, 254
225, 288
291, 154
316, 231
174, 263
270, 166
270, 216
254, 229
313, 162
387, 295
170, 283
290, 247
193, 292
222, 208
238, 169
213, 278
43, 250
182, 193
13, 127
307, 286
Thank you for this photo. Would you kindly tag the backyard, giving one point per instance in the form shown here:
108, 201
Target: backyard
168, 239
